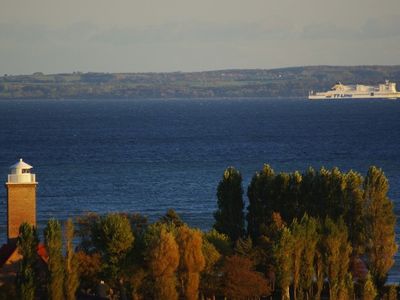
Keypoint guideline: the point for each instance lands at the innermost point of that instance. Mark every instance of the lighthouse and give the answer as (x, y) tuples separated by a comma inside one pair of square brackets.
[(21, 198)]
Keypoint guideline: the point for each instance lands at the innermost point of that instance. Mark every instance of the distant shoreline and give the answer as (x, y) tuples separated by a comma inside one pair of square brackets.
[(294, 82)]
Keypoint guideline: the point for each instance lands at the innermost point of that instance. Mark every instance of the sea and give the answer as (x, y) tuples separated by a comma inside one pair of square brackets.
[(147, 156)]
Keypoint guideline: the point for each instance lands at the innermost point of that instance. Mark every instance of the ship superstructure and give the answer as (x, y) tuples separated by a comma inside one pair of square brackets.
[(385, 90)]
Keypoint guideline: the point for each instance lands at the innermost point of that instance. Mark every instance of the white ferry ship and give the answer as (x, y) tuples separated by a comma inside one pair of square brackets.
[(385, 90)]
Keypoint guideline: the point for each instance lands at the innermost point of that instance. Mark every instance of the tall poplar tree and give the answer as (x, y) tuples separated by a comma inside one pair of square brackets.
[(192, 261), (337, 252), (311, 238), (369, 290), (283, 256), (163, 260), (27, 244), (354, 211), (53, 243), (71, 282), (260, 209), (298, 247), (380, 226), (229, 217)]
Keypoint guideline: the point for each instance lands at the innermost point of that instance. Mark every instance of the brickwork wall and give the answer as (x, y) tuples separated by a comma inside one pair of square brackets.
[(21, 207)]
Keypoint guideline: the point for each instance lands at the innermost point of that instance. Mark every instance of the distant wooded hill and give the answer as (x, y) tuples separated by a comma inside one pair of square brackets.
[(285, 82)]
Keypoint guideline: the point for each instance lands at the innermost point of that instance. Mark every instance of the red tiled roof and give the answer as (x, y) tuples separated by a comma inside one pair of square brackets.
[(42, 252)]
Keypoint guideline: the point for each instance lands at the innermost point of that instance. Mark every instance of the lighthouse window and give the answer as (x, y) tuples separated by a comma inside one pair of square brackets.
[(26, 171)]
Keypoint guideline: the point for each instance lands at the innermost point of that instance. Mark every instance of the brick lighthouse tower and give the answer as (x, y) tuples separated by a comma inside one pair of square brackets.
[(21, 198)]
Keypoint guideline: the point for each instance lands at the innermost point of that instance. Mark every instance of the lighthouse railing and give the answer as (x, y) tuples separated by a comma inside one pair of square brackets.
[(22, 178)]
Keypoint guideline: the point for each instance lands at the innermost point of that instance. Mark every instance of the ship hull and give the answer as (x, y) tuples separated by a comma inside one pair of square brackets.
[(354, 96)]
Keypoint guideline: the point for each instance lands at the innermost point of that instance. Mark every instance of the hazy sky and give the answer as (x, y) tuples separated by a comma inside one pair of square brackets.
[(55, 36)]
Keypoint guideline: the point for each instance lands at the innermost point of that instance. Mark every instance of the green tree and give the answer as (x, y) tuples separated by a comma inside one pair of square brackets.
[(112, 235), (53, 243), (380, 226), (229, 218), (27, 244), (71, 282), (192, 261), (283, 255), (260, 207), (163, 260)]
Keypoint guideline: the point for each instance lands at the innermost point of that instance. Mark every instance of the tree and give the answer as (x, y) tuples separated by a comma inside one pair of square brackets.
[(369, 290), (71, 282), (260, 197), (337, 252), (298, 247), (163, 260), (354, 213), (391, 293), (310, 241), (240, 281), (89, 268), (220, 241), (171, 217), (113, 237), (192, 261), (319, 271), (244, 247), (53, 243), (27, 244), (283, 255), (380, 226), (85, 225), (210, 276), (229, 217)]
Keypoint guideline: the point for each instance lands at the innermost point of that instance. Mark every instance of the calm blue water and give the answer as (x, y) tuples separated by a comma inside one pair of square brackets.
[(150, 155)]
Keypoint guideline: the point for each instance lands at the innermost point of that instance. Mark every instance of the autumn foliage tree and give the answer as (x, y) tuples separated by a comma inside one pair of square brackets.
[(163, 261), (192, 260), (369, 290), (337, 250), (240, 281), (210, 279), (380, 225)]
